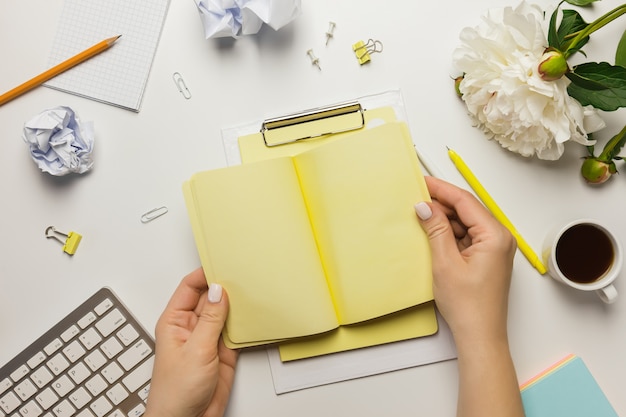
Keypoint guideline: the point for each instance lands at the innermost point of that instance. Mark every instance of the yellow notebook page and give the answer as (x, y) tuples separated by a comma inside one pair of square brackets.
[(360, 193), (406, 324), (256, 217)]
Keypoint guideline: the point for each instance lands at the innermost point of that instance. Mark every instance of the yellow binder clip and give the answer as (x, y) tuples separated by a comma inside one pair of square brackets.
[(71, 241), (363, 50)]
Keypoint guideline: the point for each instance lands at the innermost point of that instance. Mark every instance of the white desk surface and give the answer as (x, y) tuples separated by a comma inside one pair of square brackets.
[(142, 159)]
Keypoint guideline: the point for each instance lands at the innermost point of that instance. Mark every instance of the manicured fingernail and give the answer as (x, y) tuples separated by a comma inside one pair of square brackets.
[(215, 293), (423, 211)]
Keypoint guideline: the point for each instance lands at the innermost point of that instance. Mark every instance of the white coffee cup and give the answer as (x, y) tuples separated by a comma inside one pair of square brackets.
[(584, 254)]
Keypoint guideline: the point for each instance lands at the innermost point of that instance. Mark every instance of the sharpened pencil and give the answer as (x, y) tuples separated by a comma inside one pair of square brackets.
[(58, 69)]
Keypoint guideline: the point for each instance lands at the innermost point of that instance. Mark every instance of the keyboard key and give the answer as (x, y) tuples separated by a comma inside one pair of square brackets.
[(86, 320), (37, 359), (63, 409), (46, 398), (90, 338), (58, 364), (25, 389), (5, 384), (9, 402), (95, 360), (79, 373), (111, 348), (31, 409), (101, 406), (103, 307), (109, 323), (139, 376), (69, 333), (41, 376), (143, 393), (116, 413), (96, 385), (19, 373), (63, 385), (53, 346), (84, 413), (137, 411), (128, 334), (112, 372), (117, 394), (74, 351), (134, 355), (80, 398)]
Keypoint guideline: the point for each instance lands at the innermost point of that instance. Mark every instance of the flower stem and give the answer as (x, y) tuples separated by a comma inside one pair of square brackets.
[(595, 25), (613, 146)]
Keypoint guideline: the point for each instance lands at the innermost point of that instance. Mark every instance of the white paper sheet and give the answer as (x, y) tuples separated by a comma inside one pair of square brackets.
[(328, 369)]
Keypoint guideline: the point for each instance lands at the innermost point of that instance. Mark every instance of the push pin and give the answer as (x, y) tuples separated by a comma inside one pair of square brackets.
[(315, 61), (70, 242), (329, 33), (364, 50)]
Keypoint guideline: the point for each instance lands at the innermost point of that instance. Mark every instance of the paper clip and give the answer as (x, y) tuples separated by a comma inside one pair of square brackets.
[(329, 33), (70, 242), (180, 84), (315, 61), (364, 50), (153, 214)]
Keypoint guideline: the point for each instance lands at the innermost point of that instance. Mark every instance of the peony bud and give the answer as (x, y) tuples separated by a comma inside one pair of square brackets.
[(457, 85), (595, 171), (553, 65)]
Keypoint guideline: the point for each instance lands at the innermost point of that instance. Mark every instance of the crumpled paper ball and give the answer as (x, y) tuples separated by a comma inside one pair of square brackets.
[(223, 18), (59, 143)]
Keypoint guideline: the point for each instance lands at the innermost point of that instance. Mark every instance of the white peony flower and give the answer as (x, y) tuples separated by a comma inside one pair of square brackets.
[(504, 92)]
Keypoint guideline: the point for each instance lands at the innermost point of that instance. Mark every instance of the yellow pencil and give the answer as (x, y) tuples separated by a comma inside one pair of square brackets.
[(496, 211), (56, 70)]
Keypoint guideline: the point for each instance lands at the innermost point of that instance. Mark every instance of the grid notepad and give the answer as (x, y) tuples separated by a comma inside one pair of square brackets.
[(117, 76)]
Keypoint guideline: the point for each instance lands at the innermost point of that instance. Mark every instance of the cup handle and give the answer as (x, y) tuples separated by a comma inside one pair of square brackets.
[(607, 294)]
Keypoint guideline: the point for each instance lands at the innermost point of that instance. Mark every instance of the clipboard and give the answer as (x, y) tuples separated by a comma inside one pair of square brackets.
[(301, 130), (297, 132)]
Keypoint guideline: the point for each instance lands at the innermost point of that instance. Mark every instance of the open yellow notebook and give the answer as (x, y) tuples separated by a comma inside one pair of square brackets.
[(307, 243)]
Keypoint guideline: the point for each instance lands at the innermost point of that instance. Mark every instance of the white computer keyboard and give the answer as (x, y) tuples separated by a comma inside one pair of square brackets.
[(96, 362)]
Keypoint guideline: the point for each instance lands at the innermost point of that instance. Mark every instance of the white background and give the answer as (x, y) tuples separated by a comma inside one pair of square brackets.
[(141, 161)]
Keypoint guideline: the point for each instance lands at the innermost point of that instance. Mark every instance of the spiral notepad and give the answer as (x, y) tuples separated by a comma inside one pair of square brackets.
[(119, 75)]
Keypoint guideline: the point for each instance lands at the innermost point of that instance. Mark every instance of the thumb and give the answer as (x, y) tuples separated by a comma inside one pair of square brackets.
[(439, 231), (212, 316)]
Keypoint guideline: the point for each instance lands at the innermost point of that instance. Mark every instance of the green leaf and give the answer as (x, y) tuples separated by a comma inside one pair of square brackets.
[(571, 24), (584, 82), (553, 37), (611, 77), (580, 2), (620, 54)]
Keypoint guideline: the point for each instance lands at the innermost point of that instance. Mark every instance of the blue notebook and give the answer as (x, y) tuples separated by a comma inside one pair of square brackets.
[(566, 389)]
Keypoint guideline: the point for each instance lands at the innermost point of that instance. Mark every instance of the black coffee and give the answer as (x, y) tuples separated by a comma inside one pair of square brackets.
[(584, 253)]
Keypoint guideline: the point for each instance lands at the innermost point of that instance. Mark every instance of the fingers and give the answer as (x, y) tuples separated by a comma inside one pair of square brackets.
[(440, 233), (468, 209), (188, 293), (212, 317)]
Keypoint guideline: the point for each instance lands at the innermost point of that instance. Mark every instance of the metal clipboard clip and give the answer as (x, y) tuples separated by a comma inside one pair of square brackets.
[(313, 123)]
